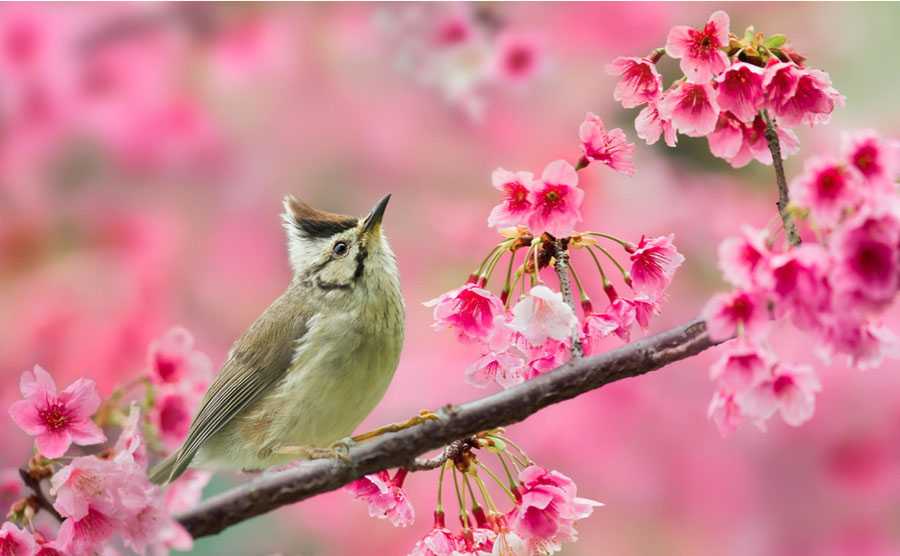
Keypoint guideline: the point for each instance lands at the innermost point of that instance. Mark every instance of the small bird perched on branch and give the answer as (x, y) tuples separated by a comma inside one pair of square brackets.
[(316, 362)]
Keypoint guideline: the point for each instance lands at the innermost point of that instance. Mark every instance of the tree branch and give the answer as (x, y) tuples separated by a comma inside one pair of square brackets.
[(400, 449), (790, 227), (561, 266)]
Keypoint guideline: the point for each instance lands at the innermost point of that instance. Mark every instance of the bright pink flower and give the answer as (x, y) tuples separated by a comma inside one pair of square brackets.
[(556, 199), (549, 508), (173, 359), (865, 344), (608, 147), (798, 279), (86, 534), (171, 414), (735, 313), (469, 309), (755, 145), (384, 496), (701, 50), (867, 258), (650, 126), (724, 412), (618, 319), (743, 258), (740, 91), (544, 357), (57, 420), (692, 108), (645, 308), (543, 314), (112, 486), (741, 367), (56, 547), (727, 140), (790, 390), (180, 496), (15, 541), (827, 188), (640, 81), (877, 160), (516, 205), (505, 368), (653, 264), (518, 57), (797, 95)]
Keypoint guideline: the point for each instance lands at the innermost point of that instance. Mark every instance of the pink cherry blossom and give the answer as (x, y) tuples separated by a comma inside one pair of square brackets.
[(640, 82), (440, 541), (131, 439), (727, 139), (544, 357), (618, 319), (470, 310), (15, 541), (57, 419), (701, 50), (556, 199), (755, 144), (518, 57), (505, 368), (650, 126), (173, 359), (691, 107), (384, 496), (724, 412), (799, 282), (876, 159), (797, 95), (645, 308), (543, 314), (653, 264), (740, 91), (737, 312), (865, 344), (867, 260), (549, 507), (171, 414), (743, 258), (607, 147), (790, 390), (516, 205), (827, 188), (744, 365), (86, 534)]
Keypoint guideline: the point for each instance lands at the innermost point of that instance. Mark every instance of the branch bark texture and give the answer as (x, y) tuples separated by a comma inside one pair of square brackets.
[(401, 448), (790, 227)]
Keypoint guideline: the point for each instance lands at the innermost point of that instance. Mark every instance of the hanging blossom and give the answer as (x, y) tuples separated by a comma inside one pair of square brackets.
[(528, 328), (106, 497), (385, 497), (834, 287), (544, 504), (730, 86)]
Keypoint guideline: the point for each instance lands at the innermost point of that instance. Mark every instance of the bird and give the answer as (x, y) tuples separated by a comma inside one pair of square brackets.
[(315, 363)]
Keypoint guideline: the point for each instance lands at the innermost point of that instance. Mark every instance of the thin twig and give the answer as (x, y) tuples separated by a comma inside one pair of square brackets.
[(561, 266), (790, 227), (34, 484), (398, 449)]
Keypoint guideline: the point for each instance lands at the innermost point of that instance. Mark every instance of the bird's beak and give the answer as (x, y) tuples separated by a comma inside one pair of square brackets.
[(373, 221)]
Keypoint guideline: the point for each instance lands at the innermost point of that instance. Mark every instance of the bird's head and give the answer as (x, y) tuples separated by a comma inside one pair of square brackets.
[(334, 252)]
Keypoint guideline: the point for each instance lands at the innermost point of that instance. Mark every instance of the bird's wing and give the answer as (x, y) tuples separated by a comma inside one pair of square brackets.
[(260, 358)]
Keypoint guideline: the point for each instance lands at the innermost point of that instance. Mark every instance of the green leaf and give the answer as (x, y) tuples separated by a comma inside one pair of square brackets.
[(775, 41)]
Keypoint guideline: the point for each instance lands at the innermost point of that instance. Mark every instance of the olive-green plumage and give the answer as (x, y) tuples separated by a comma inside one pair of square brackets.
[(316, 362)]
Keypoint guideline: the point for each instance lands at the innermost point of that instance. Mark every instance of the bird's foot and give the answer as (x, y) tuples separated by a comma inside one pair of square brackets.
[(423, 416), (310, 452)]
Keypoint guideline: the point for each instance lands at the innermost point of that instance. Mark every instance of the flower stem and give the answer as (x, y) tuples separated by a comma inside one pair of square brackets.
[(622, 242), (497, 480), (625, 274), (440, 493), (561, 266), (790, 227)]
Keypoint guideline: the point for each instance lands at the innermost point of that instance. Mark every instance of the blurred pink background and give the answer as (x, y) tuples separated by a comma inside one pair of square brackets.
[(144, 152)]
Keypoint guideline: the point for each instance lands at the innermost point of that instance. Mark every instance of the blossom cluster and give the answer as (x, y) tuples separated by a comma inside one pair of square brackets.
[(462, 52), (545, 505), (834, 286), (731, 90), (540, 215), (106, 496)]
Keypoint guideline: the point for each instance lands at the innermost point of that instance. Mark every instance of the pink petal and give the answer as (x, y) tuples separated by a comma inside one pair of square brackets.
[(53, 444), (81, 398), (37, 381), (678, 41), (25, 415), (86, 433)]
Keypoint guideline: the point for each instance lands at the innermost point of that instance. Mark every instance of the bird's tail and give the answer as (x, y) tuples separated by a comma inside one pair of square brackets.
[(167, 470)]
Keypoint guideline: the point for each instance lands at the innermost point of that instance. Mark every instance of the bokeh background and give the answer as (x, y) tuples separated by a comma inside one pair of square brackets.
[(145, 148)]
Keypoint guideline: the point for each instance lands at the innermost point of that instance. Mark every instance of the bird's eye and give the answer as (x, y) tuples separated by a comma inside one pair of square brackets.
[(340, 249)]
